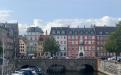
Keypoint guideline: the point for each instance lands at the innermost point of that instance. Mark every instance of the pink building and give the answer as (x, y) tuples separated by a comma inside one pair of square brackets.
[(80, 41)]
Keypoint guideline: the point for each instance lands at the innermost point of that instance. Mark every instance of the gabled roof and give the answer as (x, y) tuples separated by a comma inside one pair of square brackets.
[(71, 31), (104, 30), (59, 30), (34, 29)]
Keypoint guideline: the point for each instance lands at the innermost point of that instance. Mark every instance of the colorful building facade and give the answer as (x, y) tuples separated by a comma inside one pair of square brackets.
[(81, 42)]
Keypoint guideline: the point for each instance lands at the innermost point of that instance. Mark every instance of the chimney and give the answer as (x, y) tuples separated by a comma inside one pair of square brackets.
[(46, 32)]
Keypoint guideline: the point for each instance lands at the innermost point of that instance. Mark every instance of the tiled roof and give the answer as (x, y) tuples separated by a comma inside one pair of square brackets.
[(104, 30), (59, 30), (71, 31), (34, 29)]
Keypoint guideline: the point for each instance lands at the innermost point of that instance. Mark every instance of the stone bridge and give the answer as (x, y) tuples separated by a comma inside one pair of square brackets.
[(70, 64)]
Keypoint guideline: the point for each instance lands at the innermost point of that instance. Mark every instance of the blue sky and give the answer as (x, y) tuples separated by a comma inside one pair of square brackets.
[(58, 13), (27, 10)]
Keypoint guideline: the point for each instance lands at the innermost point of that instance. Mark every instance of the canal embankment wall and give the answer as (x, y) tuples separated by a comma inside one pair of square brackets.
[(109, 67)]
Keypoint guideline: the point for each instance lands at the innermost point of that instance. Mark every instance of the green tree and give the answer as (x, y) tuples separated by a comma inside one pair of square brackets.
[(113, 43), (1, 50), (50, 45)]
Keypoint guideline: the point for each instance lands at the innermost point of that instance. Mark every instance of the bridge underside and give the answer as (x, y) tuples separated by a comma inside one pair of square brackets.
[(70, 64)]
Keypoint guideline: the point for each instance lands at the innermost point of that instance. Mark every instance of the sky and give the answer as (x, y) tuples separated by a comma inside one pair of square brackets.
[(48, 13)]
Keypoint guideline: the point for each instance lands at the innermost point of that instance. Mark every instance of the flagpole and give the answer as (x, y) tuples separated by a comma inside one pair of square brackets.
[(3, 44)]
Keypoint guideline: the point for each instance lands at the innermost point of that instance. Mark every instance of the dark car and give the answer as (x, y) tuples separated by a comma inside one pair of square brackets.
[(28, 72)]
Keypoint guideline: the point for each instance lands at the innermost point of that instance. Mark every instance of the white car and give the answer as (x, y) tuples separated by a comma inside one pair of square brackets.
[(18, 73), (114, 58)]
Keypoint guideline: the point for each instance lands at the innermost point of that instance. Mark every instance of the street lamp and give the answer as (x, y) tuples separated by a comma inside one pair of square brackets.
[(3, 45)]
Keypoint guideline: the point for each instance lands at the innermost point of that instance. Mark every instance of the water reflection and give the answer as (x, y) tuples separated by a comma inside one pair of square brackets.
[(78, 73)]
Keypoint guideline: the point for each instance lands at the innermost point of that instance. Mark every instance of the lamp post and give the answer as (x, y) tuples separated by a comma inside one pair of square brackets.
[(3, 45)]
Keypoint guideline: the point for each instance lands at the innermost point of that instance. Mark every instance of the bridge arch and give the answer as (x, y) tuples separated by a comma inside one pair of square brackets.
[(70, 64), (53, 68), (86, 68)]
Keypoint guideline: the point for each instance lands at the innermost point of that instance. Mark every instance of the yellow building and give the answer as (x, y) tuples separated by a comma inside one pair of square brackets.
[(22, 46), (40, 47)]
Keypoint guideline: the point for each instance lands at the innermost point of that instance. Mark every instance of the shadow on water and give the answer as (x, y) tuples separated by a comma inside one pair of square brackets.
[(78, 73), (84, 70)]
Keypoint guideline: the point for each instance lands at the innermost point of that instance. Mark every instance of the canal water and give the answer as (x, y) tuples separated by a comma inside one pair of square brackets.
[(79, 73)]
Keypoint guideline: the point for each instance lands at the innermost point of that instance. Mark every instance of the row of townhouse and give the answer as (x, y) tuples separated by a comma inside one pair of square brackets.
[(32, 43), (9, 38), (87, 42)]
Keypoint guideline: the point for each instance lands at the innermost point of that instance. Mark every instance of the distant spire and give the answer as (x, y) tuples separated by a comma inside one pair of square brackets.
[(84, 26), (46, 32), (68, 26)]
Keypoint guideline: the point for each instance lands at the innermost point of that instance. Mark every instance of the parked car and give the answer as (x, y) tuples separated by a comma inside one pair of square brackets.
[(17, 73), (114, 58)]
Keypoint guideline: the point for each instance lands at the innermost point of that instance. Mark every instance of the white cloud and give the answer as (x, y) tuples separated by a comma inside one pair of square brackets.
[(5, 15), (105, 20), (23, 28)]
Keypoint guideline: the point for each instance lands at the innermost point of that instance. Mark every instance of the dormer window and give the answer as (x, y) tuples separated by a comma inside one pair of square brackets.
[(91, 32), (63, 32), (100, 33), (75, 32), (58, 32), (53, 31), (70, 32), (106, 32)]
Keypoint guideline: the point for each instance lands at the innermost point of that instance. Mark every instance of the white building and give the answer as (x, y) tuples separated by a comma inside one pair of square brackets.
[(32, 37), (61, 37)]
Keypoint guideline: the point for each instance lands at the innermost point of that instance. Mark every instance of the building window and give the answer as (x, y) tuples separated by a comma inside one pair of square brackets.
[(64, 48), (76, 42), (57, 37), (86, 42), (89, 37), (72, 42), (106, 32), (64, 42), (85, 47), (69, 37), (76, 37), (93, 37), (98, 48), (30, 38), (89, 42), (64, 37), (100, 33), (61, 42), (85, 37), (53, 32), (58, 32), (81, 37), (72, 37), (70, 32), (89, 47), (63, 32)]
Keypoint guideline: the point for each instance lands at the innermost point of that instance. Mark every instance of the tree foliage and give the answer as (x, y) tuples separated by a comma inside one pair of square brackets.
[(113, 43), (1, 50), (50, 45)]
